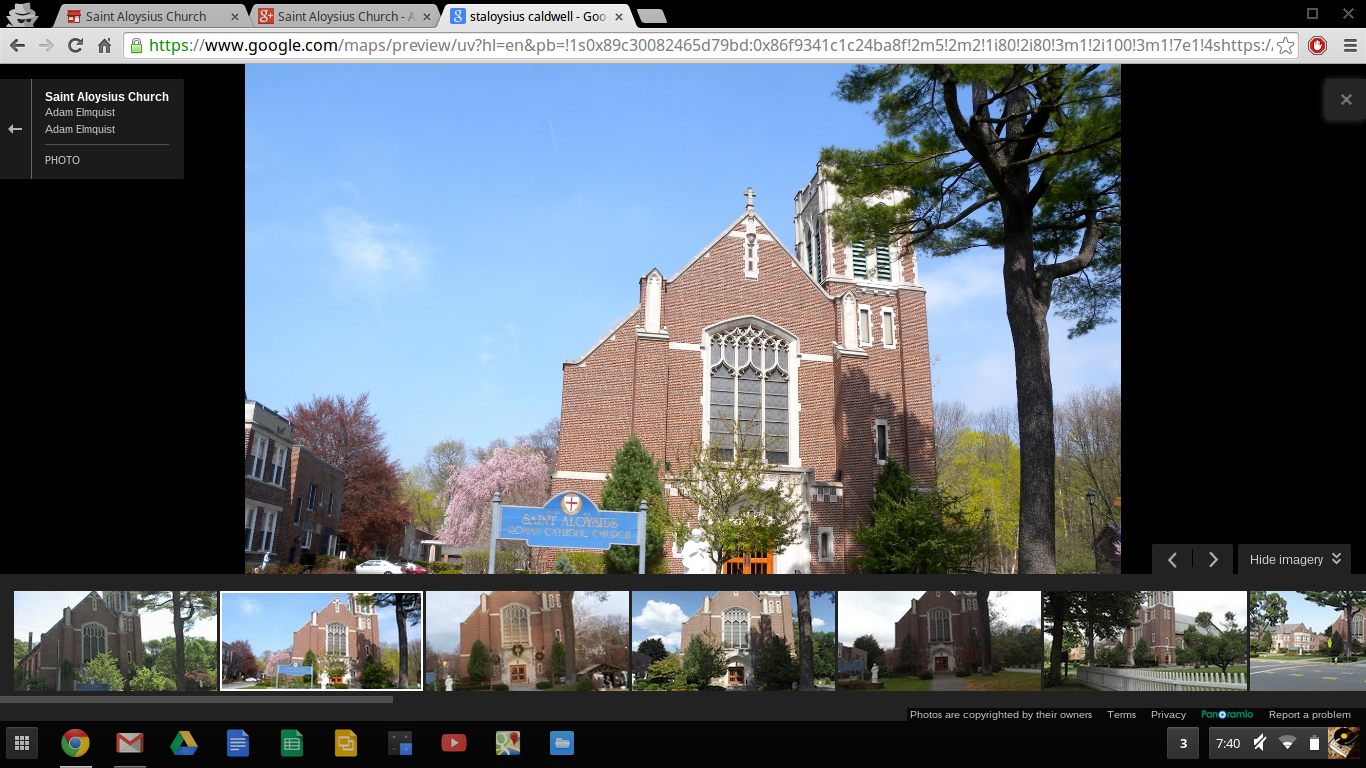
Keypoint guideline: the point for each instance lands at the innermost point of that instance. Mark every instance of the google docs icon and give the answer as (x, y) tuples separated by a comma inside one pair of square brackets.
[(239, 745), (457, 15)]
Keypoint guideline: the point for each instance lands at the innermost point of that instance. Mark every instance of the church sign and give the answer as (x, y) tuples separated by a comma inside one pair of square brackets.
[(570, 520)]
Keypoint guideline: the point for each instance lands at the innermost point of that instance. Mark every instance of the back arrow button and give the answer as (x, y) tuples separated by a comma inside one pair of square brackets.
[(15, 45), (1172, 560)]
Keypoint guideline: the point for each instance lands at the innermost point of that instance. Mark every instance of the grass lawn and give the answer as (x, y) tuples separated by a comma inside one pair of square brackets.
[(1004, 681), (1070, 685), (905, 684)]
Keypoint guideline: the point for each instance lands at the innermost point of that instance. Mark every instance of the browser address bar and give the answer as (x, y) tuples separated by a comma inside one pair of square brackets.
[(757, 46)]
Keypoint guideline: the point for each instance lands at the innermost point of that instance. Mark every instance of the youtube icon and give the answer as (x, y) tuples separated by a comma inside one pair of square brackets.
[(453, 742)]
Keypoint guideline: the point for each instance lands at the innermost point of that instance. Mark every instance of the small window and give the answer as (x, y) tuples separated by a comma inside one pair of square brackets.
[(268, 533), (330, 498), (312, 489), (865, 325), (825, 545), (860, 260), (281, 458), (888, 328), (251, 526), (557, 634), (258, 465), (884, 263), (298, 509), (881, 441)]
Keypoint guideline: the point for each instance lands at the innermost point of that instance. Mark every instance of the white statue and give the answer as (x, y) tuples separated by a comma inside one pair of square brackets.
[(875, 673), (450, 683)]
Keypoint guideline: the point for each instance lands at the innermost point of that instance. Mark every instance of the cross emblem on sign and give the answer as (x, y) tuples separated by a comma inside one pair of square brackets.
[(570, 504)]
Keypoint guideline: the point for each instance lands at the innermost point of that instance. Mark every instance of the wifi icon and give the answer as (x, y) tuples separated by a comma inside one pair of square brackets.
[(1287, 741)]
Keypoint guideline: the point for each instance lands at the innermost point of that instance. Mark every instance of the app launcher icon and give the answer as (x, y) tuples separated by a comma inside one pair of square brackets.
[(291, 743), (345, 744), (21, 743), (75, 743), (128, 743), (561, 742), (509, 742), (239, 744), (183, 744), (400, 742)]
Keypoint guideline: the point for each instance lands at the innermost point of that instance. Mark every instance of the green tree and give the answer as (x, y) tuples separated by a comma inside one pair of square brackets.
[(201, 661), (375, 674), (407, 612), (311, 660), (739, 508), (703, 661), (150, 680), (776, 670), (1349, 603), (103, 669), (823, 644), (1073, 615), (806, 665), (983, 466), (1335, 648), (666, 670), (185, 608), (151, 649), (479, 668), (557, 666), (1268, 611), (1021, 158), (563, 565), (634, 478), (652, 647), (1215, 645), (1186, 655), (1141, 652), (920, 533), (426, 508), (869, 644), (20, 650)]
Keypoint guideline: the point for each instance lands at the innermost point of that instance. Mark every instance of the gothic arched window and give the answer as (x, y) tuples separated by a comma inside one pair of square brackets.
[(735, 629), (336, 638), (93, 641), (940, 631), (516, 625), (749, 372)]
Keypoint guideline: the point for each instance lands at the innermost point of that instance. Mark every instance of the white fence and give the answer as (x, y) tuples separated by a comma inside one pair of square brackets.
[(1160, 680)]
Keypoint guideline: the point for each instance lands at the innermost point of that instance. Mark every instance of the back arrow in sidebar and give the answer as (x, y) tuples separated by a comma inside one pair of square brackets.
[(12, 129), (1172, 560)]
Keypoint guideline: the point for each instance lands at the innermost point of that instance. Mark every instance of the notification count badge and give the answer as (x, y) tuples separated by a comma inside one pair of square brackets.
[(265, 15)]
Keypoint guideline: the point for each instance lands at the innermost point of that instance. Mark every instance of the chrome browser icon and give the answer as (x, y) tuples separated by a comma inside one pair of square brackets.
[(183, 744), (75, 743)]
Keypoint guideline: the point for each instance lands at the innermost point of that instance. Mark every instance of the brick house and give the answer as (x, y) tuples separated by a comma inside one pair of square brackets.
[(505, 620), (269, 438), (942, 628), (1295, 637), (825, 351), (100, 623), (346, 628), (1161, 626), (313, 523), (742, 622)]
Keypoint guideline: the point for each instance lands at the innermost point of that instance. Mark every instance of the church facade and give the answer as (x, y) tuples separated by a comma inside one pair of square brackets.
[(823, 353), (101, 622), (520, 630), (742, 623), (346, 628), (941, 630)]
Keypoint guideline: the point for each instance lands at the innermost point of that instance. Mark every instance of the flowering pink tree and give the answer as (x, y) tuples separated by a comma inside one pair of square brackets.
[(274, 660), (519, 473)]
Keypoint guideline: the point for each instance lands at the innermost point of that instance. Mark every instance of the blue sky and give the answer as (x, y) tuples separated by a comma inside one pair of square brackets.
[(36, 612), (1314, 616), (661, 614), (448, 609), (269, 619), (444, 237)]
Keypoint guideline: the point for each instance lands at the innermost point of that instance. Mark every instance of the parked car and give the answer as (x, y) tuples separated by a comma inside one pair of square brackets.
[(378, 566), (251, 680), (414, 568)]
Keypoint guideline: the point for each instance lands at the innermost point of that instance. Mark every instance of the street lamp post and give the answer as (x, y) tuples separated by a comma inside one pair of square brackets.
[(1091, 502)]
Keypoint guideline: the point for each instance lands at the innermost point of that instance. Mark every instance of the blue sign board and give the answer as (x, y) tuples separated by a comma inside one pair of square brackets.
[(570, 520), (92, 686), (294, 669), (850, 666), (431, 677)]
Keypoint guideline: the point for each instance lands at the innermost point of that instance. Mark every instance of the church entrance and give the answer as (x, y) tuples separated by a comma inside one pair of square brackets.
[(759, 562), (735, 676), (941, 664), (518, 673)]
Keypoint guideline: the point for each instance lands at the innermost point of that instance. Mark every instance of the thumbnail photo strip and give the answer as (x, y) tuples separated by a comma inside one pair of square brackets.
[(1307, 641), (322, 641)]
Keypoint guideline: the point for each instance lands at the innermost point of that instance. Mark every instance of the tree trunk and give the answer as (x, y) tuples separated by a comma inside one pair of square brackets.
[(806, 663), (401, 613), (1027, 315), (179, 623), (985, 612), (570, 665), (1055, 654)]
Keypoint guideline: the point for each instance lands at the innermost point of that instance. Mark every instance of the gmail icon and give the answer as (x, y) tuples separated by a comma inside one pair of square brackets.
[(128, 742)]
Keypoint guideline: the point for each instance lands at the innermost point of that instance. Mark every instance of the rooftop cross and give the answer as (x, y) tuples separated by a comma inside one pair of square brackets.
[(749, 198)]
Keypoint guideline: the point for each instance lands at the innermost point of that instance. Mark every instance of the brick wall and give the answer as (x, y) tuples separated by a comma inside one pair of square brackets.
[(307, 470), (545, 615)]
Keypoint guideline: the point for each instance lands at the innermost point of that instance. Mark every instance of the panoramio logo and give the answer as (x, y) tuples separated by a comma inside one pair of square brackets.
[(1226, 714)]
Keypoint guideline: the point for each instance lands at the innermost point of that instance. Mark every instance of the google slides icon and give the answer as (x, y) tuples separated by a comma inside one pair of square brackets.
[(75, 743)]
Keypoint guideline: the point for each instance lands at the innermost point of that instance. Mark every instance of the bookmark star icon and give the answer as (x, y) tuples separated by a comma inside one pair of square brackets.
[(1285, 46)]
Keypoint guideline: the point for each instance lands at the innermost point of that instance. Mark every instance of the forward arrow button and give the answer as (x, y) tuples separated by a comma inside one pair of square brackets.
[(1215, 560)]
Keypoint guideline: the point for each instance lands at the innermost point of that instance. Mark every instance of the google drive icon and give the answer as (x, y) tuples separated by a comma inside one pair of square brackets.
[(184, 744)]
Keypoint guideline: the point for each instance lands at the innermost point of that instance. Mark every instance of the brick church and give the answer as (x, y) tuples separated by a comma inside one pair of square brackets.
[(742, 622), (941, 629), (345, 628), (101, 622), (516, 627), (823, 352)]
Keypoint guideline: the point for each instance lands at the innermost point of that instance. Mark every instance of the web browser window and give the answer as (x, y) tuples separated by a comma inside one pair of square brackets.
[(661, 302)]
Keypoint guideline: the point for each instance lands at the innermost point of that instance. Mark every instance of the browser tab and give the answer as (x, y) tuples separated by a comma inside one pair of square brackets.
[(339, 16), (150, 15), (509, 18)]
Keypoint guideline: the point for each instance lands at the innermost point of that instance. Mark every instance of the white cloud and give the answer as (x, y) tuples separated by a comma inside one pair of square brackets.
[(247, 606), (817, 622), (968, 277), (660, 618), (670, 640), (372, 259)]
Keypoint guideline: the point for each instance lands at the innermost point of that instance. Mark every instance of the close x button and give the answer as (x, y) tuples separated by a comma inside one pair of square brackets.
[(1193, 558)]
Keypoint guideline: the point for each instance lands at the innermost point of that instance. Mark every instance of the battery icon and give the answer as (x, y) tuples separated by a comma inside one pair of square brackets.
[(1313, 743)]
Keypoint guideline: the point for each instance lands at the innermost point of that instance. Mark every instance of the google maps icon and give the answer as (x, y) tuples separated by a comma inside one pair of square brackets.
[(75, 743)]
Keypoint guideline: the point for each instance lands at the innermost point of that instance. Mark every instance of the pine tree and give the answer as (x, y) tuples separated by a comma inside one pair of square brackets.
[(311, 660), (479, 666), (557, 660), (635, 477)]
